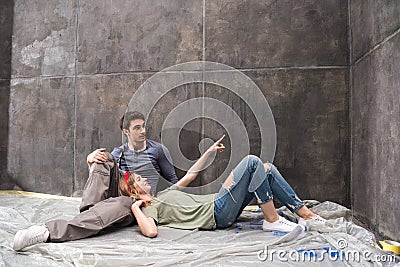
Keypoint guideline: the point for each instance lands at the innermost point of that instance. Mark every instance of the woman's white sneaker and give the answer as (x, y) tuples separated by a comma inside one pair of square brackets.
[(281, 225), (317, 220), (30, 236)]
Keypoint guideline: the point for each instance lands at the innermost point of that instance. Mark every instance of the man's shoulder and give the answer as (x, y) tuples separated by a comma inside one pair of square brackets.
[(152, 143), (117, 150)]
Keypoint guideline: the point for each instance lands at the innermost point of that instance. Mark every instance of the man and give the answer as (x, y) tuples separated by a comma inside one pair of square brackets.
[(143, 156), (101, 207)]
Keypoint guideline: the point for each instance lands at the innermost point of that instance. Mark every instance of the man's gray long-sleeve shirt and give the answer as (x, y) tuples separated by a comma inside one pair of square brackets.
[(150, 163)]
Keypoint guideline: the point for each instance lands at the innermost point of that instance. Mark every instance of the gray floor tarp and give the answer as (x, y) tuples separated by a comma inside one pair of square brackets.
[(340, 243)]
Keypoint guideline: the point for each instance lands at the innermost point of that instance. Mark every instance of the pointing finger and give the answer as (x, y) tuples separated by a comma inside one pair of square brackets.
[(219, 140)]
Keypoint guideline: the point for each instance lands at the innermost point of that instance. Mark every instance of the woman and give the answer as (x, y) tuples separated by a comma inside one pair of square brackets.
[(250, 179)]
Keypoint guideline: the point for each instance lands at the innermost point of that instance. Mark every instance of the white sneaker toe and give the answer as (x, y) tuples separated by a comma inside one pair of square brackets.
[(30, 236)]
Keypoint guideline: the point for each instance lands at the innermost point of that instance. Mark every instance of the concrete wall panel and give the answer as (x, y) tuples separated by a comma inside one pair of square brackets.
[(256, 34), (6, 22), (44, 38), (138, 35), (5, 182), (371, 22), (40, 156), (310, 108), (376, 137)]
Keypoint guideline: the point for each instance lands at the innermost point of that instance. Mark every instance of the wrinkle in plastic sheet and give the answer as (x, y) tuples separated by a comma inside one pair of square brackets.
[(236, 246)]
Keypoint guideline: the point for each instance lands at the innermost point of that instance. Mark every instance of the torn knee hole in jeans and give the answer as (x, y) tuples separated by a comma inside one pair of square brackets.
[(229, 182), (267, 167)]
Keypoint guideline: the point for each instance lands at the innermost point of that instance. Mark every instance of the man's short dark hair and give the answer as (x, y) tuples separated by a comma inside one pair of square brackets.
[(128, 117)]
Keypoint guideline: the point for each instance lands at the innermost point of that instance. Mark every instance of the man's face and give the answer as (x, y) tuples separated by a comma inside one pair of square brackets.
[(136, 131)]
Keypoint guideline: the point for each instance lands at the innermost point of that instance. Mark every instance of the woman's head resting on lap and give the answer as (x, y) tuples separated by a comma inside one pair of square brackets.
[(133, 185)]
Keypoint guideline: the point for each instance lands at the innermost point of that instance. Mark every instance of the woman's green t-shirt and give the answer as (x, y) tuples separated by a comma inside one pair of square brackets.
[(177, 209)]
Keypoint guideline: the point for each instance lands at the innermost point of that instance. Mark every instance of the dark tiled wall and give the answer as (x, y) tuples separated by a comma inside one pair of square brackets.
[(138, 35), (41, 154), (311, 114), (371, 22), (376, 113), (74, 75), (6, 22), (256, 34)]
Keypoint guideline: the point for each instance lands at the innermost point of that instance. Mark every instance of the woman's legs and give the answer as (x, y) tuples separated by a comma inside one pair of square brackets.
[(269, 211), (253, 179), (234, 194), (284, 192), (248, 180)]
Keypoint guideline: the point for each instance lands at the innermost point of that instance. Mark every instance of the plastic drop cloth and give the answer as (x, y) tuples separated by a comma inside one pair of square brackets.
[(244, 244)]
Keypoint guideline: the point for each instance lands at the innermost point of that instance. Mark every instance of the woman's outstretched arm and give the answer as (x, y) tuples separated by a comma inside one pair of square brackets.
[(146, 224), (195, 169)]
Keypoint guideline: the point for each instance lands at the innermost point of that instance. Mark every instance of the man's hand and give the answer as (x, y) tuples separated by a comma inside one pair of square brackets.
[(98, 156)]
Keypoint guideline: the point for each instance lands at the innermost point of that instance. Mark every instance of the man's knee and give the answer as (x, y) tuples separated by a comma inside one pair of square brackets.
[(109, 156)]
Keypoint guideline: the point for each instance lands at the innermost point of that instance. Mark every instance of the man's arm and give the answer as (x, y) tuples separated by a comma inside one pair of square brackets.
[(165, 163)]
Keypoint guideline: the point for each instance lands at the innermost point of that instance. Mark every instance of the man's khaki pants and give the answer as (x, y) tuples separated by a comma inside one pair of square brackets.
[(101, 207)]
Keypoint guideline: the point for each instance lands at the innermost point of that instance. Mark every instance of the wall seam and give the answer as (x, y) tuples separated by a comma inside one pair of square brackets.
[(203, 86), (378, 45), (153, 72), (350, 102), (204, 30), (75, 95), (295, 68)]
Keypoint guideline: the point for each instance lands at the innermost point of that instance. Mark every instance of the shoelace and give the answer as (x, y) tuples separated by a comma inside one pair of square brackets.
[(318, 218), (285, 222), (38, 238)]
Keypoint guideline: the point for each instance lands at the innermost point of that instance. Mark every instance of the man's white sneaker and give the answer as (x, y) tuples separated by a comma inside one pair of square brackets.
[(30, 236), (317, 220), (281, 225)]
